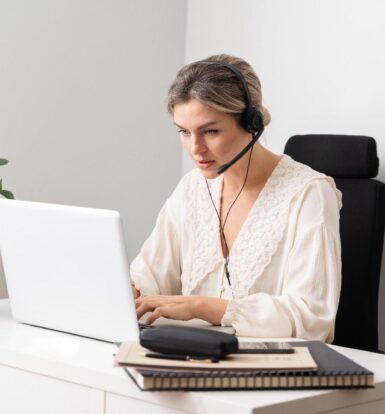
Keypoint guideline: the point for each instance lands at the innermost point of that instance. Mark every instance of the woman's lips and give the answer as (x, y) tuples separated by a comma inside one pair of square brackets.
[(204, 164)]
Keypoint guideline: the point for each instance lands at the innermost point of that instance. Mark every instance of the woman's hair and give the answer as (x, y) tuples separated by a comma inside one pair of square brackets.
[(217, 86)]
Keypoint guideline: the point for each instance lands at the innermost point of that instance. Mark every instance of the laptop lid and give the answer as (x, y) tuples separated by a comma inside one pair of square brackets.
[(66, 268)]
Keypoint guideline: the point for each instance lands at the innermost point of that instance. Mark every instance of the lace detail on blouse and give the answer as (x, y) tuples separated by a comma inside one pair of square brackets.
[(203, 225), (259, 237)]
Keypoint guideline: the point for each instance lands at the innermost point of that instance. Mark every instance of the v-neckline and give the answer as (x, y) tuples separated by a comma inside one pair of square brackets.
[(251, 211)]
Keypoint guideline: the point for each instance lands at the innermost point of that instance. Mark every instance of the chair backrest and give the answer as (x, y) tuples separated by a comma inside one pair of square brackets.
[(352, 162)]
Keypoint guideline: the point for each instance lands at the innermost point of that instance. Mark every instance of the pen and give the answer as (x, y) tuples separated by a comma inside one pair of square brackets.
[(180, 357)]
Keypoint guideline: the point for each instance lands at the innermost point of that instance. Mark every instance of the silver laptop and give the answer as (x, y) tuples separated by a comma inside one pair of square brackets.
[(66, 268)]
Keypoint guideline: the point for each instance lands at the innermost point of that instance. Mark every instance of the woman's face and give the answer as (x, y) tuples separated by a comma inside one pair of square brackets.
[(210, 137)]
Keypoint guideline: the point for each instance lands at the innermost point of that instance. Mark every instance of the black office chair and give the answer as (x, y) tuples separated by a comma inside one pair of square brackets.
[(352, 161)]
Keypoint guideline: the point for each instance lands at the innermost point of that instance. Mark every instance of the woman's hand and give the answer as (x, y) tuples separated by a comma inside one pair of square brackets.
[(135, 291), (181, 308)]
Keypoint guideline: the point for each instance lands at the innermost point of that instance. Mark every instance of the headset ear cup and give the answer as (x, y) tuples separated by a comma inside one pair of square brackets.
[(258, 120), (245, 120), (253, 119)]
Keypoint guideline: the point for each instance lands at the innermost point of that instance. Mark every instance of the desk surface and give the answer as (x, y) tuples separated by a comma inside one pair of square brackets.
[(88, 362)]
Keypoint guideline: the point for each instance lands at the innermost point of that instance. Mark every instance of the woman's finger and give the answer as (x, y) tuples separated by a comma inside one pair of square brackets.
[(158, 312), (144, 308), (144, 300)]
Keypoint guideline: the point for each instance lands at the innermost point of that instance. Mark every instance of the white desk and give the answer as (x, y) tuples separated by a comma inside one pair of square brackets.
[(43, 372)]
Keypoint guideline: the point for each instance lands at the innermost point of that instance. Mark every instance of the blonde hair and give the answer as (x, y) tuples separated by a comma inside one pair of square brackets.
[(217, 86)]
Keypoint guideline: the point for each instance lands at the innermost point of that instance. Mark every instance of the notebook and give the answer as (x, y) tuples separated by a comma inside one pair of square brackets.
[(132, 354), (334, 371)]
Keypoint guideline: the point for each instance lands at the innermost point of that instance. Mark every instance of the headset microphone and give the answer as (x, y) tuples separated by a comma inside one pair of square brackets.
[(248, 147), (251, 118)]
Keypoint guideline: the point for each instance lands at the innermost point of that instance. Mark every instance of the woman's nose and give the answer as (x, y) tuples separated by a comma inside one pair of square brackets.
[(197, 145)]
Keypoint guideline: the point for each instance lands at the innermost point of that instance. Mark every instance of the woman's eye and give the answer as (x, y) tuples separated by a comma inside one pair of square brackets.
[(183, 132), (211, 132)]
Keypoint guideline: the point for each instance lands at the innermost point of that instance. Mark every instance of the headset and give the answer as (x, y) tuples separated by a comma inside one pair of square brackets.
[(251, 117)]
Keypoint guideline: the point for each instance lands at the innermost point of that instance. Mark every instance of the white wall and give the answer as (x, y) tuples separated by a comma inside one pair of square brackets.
[(321, 63), (82, 103)]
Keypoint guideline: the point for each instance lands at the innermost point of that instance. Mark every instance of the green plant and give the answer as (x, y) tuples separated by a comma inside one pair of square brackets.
[(3, 192)]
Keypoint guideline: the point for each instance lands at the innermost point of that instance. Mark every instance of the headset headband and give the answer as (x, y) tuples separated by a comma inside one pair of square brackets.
[(238, 74)]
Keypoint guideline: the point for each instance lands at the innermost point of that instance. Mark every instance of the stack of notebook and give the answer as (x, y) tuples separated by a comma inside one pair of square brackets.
[(313, 365)]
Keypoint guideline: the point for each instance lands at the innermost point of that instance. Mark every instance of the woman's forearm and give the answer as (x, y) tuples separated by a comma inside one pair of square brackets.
[(210, 309), (181, 307)]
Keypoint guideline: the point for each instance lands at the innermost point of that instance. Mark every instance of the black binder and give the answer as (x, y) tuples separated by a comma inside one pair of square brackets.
[(334, 371)]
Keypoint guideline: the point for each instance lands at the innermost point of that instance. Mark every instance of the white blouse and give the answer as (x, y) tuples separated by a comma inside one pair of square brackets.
[(285, 264)]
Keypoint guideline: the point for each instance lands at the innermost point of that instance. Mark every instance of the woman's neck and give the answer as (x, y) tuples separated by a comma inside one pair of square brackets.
[(262, 164)]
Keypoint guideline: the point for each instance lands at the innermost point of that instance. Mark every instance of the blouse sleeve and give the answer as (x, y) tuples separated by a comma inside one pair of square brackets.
[(307, 305), (156, 269)]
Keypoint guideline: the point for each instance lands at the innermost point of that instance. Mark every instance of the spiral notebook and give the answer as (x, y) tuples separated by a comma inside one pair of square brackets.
[(334, 371)]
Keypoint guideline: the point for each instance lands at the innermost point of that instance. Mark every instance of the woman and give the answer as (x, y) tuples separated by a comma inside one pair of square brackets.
[(257, 247)]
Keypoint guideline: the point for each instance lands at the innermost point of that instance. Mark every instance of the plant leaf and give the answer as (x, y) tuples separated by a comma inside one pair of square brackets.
[(3, 161), (7, 194), (1, 185)]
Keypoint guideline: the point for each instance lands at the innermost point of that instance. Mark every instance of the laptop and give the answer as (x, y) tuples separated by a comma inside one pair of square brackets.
[(66, 269)]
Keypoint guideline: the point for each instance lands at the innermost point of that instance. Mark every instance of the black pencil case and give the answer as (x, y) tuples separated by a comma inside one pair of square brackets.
[(188, 341)]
